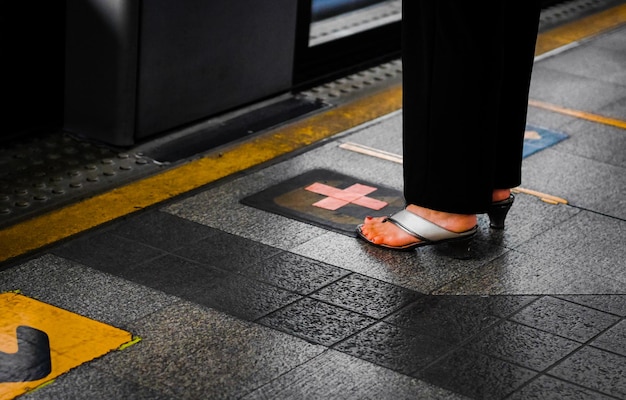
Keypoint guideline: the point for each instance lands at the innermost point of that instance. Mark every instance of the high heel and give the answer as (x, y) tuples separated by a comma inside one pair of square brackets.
[(498, 210)]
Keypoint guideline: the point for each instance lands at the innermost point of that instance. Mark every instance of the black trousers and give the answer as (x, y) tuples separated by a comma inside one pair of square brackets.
[(466, 75)]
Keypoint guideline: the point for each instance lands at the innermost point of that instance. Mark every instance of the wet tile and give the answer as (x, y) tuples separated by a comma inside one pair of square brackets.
[(565, 319), (85, 291), (443, 317), (422, 271), (219, 289), (317, 322), (220, 208), (614, 339), (594, 186), (390, 346), (555, 87), (497, 305), (547, 387), (602, 240), (513, 273), (476, 375), (174, 275), (242, 297), (87, 382), (226, 251), (365, 295), (522, 345), (610, 303), (107, 252), (589, 282), (162, 230), (595, 369), (528, 218), (597, 142), (188, 351), (595, 62), (334, 375), (295, 273)]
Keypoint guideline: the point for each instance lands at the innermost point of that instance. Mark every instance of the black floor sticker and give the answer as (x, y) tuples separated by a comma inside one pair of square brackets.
[(328, 199)]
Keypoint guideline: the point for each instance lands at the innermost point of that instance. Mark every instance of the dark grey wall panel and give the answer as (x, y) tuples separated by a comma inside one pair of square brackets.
[(101, 69), (139, 68), (202, 57)]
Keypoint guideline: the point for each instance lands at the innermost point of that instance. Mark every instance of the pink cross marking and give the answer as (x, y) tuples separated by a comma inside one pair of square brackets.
[(337, 198)]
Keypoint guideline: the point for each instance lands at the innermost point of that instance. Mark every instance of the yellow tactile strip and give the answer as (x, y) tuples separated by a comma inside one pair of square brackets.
[(581, 29), (59, 224)]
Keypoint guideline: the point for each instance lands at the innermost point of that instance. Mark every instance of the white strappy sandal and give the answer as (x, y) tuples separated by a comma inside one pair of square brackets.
[(425, 231)]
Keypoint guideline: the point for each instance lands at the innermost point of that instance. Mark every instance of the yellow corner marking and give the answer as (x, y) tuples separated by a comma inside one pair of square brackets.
[(578, 114), (135, 340), (59, 224), (73, 339), (580, 29)]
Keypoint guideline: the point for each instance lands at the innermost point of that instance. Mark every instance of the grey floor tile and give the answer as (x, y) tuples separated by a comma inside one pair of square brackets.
[(423, 271), (243, 297), (617, 109), (213, 287), (524, 346), (317, 322), (87, 383), (365, 295), (588, 242), (528, 218), (613, 339), (162, 230), (76, 288), (107, 252), (565, 319), (476, 375), (385, 134), (442, 318), (174, 275), (393, 347), (612, 40), (547, 387), (295, 273), (334, 375), (515, 273), (556, 87), (499, 306), (191, 352), (583, 182), (595, 369), (590, 282), (613, 304), (226, 251), (593, 61), (601, 143)]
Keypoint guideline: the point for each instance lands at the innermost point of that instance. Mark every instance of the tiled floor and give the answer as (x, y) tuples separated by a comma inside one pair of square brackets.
[(234, 302)]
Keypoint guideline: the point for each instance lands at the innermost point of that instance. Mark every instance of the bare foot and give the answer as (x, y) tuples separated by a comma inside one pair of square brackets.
[(379, 232), (500, 194)]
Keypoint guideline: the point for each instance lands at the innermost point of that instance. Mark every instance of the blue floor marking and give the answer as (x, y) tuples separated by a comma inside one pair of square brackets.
[(545, 139)]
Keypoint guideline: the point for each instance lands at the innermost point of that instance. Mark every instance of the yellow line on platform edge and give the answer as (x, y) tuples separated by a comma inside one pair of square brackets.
[(49, 228), (582, 29)]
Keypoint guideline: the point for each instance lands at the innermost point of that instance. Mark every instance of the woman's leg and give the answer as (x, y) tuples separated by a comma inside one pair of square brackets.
[(456, 68), (518, 57)]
